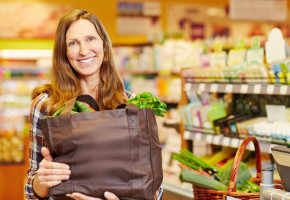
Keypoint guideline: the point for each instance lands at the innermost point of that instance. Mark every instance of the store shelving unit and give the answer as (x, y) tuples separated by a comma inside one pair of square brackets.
[(20, 72), (191, 84), (239, 88)]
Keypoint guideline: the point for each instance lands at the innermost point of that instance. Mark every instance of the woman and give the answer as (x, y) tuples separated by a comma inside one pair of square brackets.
[(82, 64)]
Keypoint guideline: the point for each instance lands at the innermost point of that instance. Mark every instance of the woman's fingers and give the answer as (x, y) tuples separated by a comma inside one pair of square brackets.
[(45, 153), (51, 173), (53, 178), (53, 165), (79, 196), (111, 196), (49, 183), (45, 171)]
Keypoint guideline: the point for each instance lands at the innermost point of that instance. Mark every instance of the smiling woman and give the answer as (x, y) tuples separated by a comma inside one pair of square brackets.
[(84, 49), (82, 64)]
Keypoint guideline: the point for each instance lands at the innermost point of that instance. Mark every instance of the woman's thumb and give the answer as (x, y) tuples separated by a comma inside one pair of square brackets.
[(45, 153), (110, 196)]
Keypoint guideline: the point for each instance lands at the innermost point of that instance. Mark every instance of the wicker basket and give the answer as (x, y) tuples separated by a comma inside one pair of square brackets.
[(204, 194)]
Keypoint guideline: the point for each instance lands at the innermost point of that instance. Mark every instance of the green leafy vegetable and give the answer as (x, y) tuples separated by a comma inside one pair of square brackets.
[(78, 107), (147, 100), (243, 175)]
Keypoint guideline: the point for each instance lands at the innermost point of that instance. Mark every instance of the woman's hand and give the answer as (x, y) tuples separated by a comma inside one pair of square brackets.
[(79, 196), (51, 173)]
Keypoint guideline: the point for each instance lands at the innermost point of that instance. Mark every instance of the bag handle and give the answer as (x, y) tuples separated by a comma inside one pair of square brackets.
[(82, 97), (65, 119), (129, 106), (238, 159)]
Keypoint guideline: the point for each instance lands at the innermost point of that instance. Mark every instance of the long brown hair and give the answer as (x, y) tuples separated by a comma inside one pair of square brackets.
[(64, 79)]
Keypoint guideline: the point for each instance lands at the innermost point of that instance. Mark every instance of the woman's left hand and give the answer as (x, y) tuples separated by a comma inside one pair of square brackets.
[(79, 196)]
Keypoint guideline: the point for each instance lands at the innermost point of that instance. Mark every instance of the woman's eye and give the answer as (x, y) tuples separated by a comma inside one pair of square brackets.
[(71, 43), (91, 38)]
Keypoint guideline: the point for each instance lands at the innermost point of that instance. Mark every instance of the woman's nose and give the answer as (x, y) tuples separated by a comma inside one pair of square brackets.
[(83, 49)]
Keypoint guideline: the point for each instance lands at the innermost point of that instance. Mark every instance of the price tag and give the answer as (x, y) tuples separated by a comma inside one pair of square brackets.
[(244, 89), (226, 141), (229, 88), (198, 136), (235, 142), (283, 89), (208, 138), (265, 147), (201, 87), (257, 89), (270, 89), (214, 87), (187, 87), (216, 139), (231, 198), (186, 135)]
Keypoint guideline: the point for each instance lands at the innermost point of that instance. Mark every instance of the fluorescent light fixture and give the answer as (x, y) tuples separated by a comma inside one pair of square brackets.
[(25, 53)]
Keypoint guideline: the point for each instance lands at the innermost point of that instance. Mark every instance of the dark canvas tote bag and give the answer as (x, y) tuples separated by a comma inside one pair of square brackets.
[(112, 150)]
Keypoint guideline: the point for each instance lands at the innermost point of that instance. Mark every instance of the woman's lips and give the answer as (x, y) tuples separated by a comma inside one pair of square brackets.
[(87, 60)]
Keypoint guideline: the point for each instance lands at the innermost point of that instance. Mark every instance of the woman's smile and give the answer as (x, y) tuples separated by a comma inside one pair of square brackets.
[(87, 60)]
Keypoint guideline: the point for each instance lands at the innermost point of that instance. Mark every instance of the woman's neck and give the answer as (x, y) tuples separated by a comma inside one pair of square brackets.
[(90, 86)]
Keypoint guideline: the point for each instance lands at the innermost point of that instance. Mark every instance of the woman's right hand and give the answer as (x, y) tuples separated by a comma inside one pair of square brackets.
[(51, 173)]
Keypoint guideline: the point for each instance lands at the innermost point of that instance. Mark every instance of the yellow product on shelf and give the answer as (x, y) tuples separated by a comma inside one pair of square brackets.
[(11, 146), (221, 155)]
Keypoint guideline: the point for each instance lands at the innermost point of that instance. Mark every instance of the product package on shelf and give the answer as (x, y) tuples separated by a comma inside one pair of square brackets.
[(13, 128)]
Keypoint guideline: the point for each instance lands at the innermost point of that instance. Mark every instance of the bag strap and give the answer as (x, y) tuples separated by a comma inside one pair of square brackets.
[(65, 118), (84, 98), (133, 125)]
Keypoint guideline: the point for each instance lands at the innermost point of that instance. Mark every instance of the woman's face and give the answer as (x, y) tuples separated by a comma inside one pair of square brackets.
[(84, 48)]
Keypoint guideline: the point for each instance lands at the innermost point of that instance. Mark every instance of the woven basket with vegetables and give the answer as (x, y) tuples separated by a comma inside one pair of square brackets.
[(210, 182)]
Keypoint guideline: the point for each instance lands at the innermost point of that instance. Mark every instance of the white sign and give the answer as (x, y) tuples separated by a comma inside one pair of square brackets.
[(133, 25), (262, 10), (152, 8), (201, 87), (229, 88), (270, 89), (214, 88), (244, 88), (232, 198)]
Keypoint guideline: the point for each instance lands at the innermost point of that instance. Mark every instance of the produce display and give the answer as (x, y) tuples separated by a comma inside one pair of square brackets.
[(201, 174)]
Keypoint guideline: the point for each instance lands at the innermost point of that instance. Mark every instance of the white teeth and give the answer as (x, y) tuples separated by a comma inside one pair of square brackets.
[(86, 61)]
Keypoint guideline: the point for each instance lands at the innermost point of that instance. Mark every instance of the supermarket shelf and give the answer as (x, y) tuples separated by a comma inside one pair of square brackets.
[(148, 72), (34, 78), (265, 143), (249, 88)]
